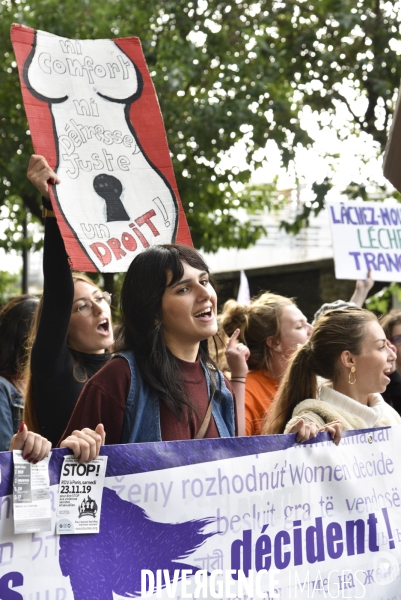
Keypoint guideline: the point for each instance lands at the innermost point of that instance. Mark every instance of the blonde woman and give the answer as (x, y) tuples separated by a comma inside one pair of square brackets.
[(272, 327), (348, 348)]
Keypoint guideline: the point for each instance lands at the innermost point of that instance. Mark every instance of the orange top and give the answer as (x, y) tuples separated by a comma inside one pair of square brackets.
[(260, 390)]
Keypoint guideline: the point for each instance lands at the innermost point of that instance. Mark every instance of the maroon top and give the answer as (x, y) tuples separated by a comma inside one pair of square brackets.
[(101, 402)]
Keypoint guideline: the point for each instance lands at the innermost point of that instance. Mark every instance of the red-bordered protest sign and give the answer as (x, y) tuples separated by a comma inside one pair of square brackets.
[(94, 114)]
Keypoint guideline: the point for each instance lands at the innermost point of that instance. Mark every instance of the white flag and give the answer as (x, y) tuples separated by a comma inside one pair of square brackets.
[(244, 295)]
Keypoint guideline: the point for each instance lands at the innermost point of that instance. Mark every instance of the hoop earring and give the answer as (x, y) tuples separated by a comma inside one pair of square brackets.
[(352, 372)]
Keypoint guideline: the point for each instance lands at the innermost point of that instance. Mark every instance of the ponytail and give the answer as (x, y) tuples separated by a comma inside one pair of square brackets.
[(299, 382), (336, 331)]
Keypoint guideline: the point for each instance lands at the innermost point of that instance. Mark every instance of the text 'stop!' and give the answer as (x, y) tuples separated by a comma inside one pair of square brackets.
[(93, 113)]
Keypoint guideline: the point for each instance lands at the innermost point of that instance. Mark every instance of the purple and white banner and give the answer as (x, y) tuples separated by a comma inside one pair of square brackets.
[(228, 518)]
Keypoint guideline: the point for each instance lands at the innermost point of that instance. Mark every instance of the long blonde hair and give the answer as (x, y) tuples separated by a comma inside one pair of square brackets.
[(29, 414), (257, 322), (335, 331)]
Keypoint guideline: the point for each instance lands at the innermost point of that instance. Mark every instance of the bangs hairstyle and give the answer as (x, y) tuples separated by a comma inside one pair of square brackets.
[(78, 276), (142, 325)]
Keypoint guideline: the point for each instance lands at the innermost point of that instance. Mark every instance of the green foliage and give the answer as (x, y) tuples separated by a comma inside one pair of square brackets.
[(302, 220), (10, 286), (224, 72), (118, 280), (382, 301)]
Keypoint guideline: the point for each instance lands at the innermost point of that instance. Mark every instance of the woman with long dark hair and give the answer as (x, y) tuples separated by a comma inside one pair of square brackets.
[(15, 323), (162, 384), (347, 348), (73, 330)]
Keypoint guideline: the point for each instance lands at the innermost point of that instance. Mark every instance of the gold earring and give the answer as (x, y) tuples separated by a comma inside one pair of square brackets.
[(352, 372)]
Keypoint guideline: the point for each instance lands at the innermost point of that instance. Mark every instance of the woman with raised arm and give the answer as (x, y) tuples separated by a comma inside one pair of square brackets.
[(73, 331), (348, 348), (163, 385), (272, 327)]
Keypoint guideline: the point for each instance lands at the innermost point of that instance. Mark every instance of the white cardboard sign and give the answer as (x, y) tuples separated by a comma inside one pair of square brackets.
[(366, 237), (93, 113)]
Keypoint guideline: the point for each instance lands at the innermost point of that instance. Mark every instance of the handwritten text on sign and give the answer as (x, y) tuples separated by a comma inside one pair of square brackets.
[(366, 237), (93, 113)]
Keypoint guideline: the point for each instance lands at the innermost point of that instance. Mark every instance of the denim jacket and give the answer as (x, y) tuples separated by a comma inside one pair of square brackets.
[(142, 411), (11, 405)]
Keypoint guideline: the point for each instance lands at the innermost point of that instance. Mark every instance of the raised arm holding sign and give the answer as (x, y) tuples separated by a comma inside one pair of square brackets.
[(68, 344)]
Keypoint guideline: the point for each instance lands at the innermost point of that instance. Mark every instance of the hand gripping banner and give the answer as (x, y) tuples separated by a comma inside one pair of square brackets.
[(93, 113)]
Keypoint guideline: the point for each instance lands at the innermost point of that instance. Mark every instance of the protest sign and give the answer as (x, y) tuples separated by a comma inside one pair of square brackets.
[(366, 237), (80, 496), (93, 113), (220, 518), (31, 498)]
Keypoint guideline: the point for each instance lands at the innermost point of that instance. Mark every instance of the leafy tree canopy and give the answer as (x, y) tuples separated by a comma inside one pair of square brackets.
[(224, 72), (9, 286)]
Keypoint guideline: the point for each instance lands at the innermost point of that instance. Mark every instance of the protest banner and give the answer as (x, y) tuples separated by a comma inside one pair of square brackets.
[(93, 113), (222, 519), (366, 237)]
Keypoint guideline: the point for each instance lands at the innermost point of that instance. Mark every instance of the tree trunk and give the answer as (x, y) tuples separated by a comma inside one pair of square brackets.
[(25, 258)]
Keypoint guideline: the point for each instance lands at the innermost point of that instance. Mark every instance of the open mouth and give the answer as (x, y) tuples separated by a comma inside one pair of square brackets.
[(205, 313), (103, 327)]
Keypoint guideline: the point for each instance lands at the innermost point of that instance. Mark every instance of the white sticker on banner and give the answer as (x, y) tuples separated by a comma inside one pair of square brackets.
[(31, 498), (80, 495)]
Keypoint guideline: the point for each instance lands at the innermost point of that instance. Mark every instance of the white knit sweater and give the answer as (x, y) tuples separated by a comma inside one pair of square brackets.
[(352, 414)]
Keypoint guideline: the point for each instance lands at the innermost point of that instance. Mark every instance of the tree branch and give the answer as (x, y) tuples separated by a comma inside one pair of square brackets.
[(342, 98)]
